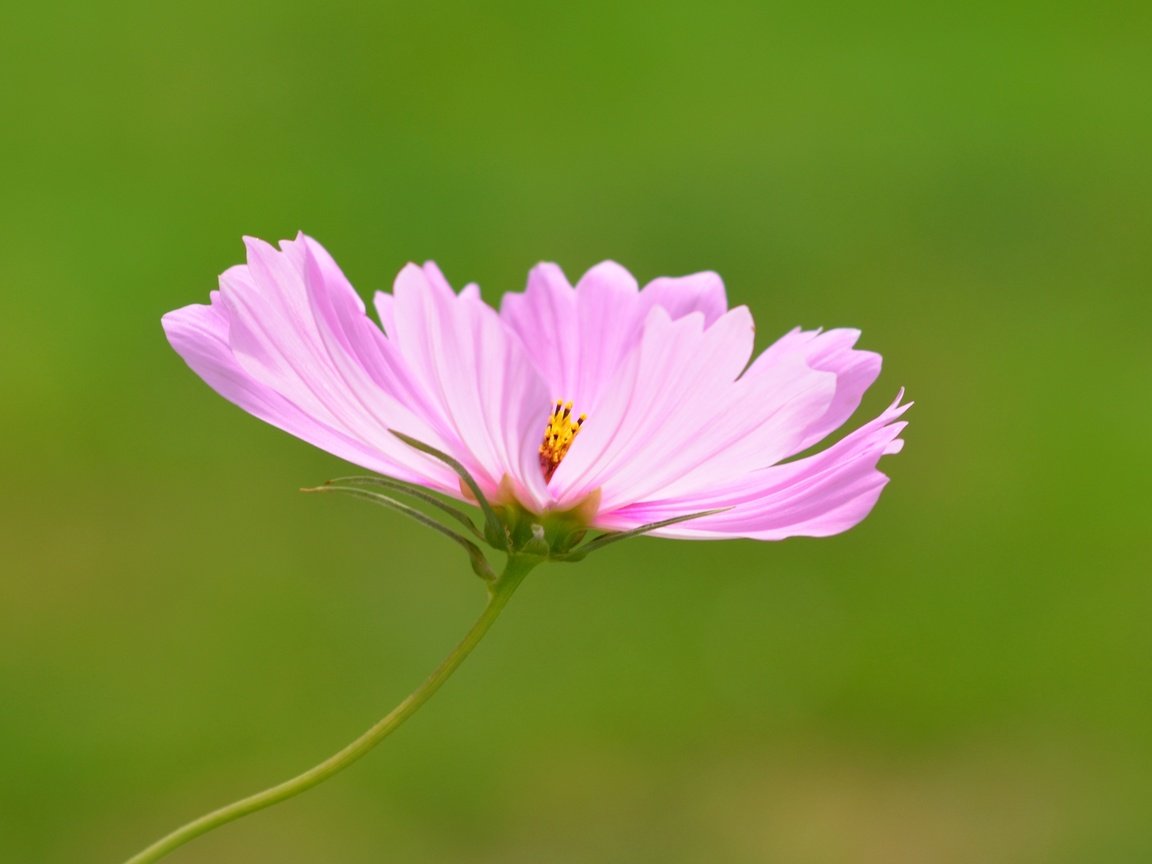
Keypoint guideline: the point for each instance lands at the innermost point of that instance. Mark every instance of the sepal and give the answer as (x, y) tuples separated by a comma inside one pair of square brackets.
[(414, 491), (597, 543), (480, 565), (494, 532)]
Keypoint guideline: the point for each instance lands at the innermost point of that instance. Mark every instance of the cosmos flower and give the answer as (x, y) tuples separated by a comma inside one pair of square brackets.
[(626, 406), (598, 406)]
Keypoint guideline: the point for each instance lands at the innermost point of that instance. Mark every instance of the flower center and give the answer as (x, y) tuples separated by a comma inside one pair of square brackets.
[(559, 434)]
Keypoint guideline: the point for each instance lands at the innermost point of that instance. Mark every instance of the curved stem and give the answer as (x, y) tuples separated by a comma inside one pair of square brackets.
[(499, 592)]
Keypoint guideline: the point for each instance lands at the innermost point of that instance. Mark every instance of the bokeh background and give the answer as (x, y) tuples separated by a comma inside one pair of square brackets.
[(967, 676)]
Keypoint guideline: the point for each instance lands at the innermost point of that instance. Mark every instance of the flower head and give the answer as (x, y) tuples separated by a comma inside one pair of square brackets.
[(624, 406)]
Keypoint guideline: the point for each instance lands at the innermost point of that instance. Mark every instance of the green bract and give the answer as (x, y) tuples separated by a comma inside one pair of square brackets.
[(507, 527)]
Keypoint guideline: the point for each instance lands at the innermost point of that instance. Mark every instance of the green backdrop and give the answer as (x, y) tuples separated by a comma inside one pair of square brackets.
[(967, 676)]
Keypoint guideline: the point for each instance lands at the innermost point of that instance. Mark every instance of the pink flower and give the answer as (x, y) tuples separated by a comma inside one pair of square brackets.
[(635, 406)]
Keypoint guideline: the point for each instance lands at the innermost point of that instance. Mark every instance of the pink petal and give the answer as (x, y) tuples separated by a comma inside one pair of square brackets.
[(200, 335), (486, 397), (829, 351), (683, 295), (823, 494), (679, 416), (297, 327), (288, 339), (382, 300), (608, 320), (545, 320), (579, 338)]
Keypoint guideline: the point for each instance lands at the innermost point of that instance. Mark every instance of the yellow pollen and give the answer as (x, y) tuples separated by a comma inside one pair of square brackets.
[(559, 434)]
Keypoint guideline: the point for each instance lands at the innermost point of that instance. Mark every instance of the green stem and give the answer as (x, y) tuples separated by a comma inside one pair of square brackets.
[(499, 592)]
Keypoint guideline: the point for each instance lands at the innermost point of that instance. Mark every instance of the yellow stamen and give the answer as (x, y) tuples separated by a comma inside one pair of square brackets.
[(559, 434)]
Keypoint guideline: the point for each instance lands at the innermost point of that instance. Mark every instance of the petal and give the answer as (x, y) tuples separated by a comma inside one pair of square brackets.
[(290, 327), (577, 338), (354, 344), (480, 389), (580, 338), (823, 494), (382, 300), (686, 382), (609, 319), (683, 295), (288, 339), (830, 351), (298, 327), (680, 417), (200, 335), (544, 318)]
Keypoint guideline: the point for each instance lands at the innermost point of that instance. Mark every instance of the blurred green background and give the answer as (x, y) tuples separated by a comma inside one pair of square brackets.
[(967, 676)]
